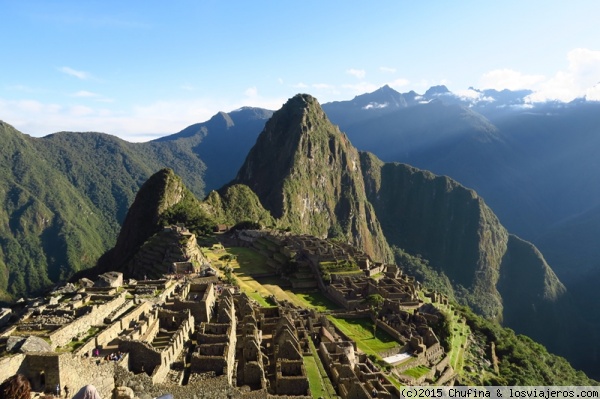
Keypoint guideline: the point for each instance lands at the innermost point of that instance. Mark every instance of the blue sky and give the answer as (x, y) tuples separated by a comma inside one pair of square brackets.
[(141, 69)]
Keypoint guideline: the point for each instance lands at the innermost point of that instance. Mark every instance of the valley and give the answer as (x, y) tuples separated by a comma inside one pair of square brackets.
[(213, 326), (303, 175)]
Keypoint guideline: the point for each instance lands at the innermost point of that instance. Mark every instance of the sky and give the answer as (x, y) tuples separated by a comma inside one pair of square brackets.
[(144, 69)]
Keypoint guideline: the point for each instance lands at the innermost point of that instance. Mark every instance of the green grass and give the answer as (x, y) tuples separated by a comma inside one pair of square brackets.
[(318, 381), (259, 298), (361, 331), (460, 332), (348, 272), (315, 382), (249, 261), (417, 372), (316, 300)]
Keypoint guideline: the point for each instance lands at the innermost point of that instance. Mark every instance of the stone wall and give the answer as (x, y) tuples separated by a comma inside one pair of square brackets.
[(42, 370), (390, 330), (77, 372), (202, 307), (145, 358), (113, 331), (9, 365), (290, 378), (65, 334)]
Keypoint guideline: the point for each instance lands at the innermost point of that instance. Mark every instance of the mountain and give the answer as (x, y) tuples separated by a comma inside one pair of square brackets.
[(222, 142), (54, 230), (64, 197), (533, 163), (307, 174), (162, 200)]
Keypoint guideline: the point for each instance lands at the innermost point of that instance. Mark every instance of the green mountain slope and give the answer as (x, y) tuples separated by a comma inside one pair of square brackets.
[(452, 227), (307, 174), (48, 228), (64, 196)]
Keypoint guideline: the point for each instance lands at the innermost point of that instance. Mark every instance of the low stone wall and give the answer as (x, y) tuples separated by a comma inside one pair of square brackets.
[(65, 334), (199, 386), (391, 331), (77, 372)]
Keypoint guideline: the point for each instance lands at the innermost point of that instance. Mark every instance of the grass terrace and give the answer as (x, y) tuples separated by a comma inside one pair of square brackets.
[(361, 331), (417, 372), (318, 381), (316, 300)]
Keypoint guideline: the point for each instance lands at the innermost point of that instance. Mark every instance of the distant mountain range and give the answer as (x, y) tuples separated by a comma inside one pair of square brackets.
[(64, 196)]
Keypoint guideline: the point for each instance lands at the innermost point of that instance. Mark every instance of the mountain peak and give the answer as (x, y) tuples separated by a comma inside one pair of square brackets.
[(436, 91), (307, 174), (161, 191)]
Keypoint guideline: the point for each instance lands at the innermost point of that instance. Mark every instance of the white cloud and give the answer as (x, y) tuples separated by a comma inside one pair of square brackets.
[(387, 69), (280, 81), (357, 73), (84, 93), (468, 94), (399, 83), (91, 95), (72, 72), (472, 96), (360, 88), (141, 122), (510, 79), (593, 93), (578, 80), (251, 92), (300, 85)]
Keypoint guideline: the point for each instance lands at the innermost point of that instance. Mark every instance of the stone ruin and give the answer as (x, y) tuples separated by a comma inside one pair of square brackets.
[(192, 333)]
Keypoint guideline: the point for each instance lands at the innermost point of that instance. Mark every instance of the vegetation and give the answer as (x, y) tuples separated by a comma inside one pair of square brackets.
[(238, 204), (417, 372), (523, 361), (190, 213), (316, 300), (361, 331)]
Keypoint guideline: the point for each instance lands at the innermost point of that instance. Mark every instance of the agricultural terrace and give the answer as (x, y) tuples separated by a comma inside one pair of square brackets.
[(258, 280), (361, 331)]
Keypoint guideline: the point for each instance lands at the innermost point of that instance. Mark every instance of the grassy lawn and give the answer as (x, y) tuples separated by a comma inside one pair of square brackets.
[(361, 331), (318, 380), (315, 382), (259, 298), (348, 272), (249, 261), (417, 372), (460, 332), (315, 300)]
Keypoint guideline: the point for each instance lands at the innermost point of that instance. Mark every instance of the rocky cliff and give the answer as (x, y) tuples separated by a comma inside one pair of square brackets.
[(159, 194), (308, 175), (454, 229)]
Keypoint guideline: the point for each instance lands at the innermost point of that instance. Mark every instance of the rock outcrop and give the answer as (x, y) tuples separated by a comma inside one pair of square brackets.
[(308, 175)]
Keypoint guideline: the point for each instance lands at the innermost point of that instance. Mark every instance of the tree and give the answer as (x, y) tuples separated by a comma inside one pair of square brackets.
[(375, 302)]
